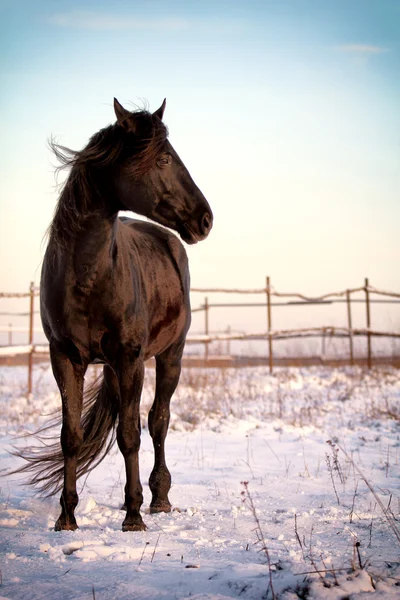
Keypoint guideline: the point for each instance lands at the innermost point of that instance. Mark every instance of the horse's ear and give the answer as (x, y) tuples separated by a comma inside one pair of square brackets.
[(124, 117), (160, 112)]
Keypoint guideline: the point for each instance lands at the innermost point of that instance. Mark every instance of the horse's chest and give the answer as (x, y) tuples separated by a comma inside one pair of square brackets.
[(78, 314)]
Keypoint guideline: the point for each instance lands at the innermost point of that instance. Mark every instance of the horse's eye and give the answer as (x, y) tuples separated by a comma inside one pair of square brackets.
[(163, 161)]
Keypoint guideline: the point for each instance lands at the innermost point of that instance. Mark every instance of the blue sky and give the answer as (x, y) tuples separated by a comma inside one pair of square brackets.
[(286, 112)]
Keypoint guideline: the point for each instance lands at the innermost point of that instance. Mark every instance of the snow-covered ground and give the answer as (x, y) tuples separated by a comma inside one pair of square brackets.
[(326, 514)]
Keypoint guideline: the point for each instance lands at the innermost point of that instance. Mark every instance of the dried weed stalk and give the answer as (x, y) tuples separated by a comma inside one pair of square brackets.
[(247, 498), (386, 511)]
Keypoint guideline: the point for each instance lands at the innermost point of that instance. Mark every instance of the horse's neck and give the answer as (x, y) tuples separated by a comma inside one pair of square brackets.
[(93, 247), (83, 237)]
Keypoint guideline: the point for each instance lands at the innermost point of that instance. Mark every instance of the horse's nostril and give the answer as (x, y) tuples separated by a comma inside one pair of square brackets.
[(206, 222)]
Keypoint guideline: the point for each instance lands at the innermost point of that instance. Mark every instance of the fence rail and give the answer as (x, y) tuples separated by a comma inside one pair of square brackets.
[(330, 298), (270, 335)]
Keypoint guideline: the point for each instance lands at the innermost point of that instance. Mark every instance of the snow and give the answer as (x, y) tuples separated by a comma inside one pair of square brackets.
[(307, 503)]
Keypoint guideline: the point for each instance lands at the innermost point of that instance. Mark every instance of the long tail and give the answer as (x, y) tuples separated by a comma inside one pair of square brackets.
[(45, 463)]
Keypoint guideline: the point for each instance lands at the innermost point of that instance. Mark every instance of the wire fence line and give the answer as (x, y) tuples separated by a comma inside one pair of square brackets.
[(207, 337)]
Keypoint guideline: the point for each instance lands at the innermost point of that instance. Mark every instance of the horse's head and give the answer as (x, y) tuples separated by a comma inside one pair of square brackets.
[(154, 182)]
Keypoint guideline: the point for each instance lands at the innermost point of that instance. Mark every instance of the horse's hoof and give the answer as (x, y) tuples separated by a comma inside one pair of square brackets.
[(160, 507), (65, 525), (134, 525)]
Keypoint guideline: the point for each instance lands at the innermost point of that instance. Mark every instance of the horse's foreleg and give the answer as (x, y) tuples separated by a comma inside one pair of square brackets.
[(130, 376), (69, 377), (168, 369)]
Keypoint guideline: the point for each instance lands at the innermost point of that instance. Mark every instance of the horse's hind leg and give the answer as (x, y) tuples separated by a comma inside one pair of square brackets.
[(130, 374), (69, 377), (168, 370)]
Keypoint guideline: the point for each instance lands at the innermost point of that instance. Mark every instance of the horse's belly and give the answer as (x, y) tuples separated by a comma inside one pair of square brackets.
[(167, 330)]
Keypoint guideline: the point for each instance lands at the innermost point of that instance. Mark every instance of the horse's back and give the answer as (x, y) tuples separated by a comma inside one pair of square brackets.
[(157, 244), (161, 259)]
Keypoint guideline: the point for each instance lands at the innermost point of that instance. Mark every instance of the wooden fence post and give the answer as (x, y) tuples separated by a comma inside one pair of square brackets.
[(228, 341), (323, 345), (350, 327), (206, 326), (270, 355), (368, 323), (31, 314)]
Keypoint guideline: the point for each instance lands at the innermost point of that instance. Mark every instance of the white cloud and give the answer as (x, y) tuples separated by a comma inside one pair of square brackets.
[(104, 21), (362, 49)]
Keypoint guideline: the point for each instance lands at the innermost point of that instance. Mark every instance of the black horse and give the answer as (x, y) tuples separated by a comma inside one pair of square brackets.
[(116, 291)]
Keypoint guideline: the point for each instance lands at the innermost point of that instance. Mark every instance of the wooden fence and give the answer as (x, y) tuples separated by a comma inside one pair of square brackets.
[(270, 335)]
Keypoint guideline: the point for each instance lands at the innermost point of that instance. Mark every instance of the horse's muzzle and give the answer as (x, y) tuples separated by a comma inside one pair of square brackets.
[(205, 225)]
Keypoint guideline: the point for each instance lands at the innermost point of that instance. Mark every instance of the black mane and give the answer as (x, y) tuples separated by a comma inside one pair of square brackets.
[(113, 145)]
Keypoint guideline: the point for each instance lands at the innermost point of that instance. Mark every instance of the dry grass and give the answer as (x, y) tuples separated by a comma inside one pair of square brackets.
[(290, 395), (299, 397)]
